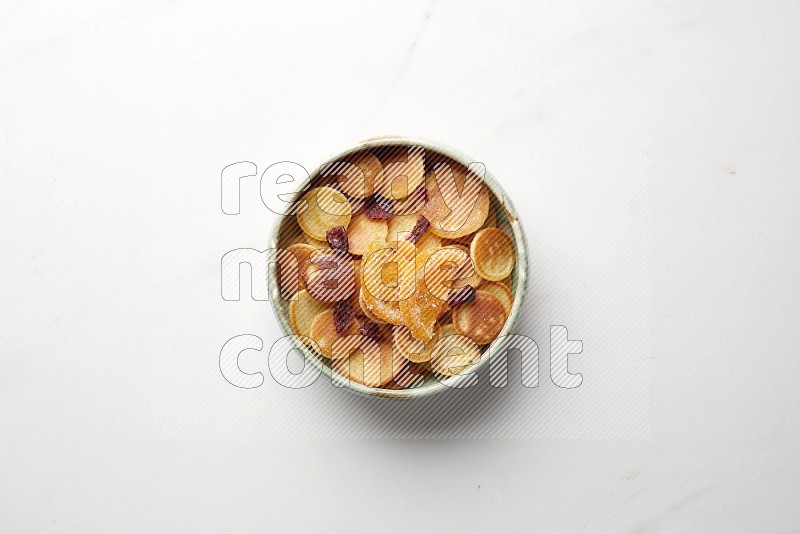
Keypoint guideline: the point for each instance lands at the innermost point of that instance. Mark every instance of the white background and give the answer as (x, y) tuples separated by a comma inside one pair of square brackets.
[(651, 147)]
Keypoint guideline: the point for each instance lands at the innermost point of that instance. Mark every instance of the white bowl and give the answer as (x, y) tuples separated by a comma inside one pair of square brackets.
[(507, 215)]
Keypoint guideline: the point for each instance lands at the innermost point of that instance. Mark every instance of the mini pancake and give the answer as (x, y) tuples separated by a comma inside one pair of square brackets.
[(291, 276), (356, 174), (413, 203), (492, 253), (481, 319), (400, 227), (354, 300), (366, 361), (466, 273), (445, 268), (315, 242), (501, 291), (403, 171), (453, 353), (490, 222), (412, 349), (410, 374), (420, 312), (362, 231), (323, 332), (302, 312), (330, 277), (458, 201), (325, 208)]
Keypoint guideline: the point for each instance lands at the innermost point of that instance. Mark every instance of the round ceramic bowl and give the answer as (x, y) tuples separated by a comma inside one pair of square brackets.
[(507, 217)]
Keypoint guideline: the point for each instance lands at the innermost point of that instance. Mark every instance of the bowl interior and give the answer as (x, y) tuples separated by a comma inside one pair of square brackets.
[(507, 219)]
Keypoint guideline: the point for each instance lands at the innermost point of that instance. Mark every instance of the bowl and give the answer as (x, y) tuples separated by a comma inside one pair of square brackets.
[(507, 216)]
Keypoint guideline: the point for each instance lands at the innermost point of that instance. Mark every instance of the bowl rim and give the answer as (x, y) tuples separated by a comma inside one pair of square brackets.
[(521, 273)]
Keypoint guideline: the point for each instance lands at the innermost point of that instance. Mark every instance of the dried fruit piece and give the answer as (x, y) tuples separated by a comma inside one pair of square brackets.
[(492, 253), (387, 278), (461, 296), (420, 228), (482, 319), (368, 313), (371, 330), (337, 238), (379, 208), (420, 312), (343, 316)]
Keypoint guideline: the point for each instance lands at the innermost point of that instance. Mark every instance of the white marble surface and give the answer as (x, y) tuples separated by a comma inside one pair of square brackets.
[(652, 148)]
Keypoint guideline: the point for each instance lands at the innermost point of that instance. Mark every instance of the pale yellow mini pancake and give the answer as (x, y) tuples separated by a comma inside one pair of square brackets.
[(363, 231), (302, 312), (325, 208), (453, 353)]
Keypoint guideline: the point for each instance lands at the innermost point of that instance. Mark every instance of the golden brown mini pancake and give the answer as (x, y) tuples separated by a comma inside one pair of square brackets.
[(325, 208), (492, 254), (323, 332), (357, 182), (453, 353), (481, 319), (363, 231), (501, 291), (458, 201), (302, 312), (403, 171), (412, 349)]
